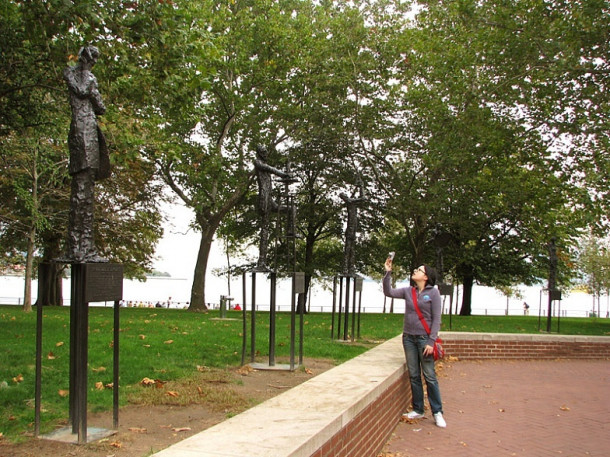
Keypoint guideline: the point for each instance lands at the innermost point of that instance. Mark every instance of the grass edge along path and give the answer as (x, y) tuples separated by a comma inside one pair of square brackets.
[(165, 346)]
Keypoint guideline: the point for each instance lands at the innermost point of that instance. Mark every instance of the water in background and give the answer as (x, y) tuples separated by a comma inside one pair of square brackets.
[(155, 290)]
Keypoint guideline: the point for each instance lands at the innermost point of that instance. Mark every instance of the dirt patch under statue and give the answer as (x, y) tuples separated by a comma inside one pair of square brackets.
[(151, 427)]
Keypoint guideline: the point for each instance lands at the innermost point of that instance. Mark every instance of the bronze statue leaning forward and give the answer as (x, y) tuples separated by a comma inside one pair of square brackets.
[(89, 159)]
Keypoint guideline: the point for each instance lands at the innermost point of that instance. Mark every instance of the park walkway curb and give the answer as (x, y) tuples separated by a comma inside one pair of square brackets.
[(351, 410)]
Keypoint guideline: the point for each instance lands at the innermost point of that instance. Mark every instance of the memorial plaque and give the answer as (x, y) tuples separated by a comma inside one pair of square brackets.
[(103, 282), (445, 289), (555, 295), (358, 285), (299, 282)]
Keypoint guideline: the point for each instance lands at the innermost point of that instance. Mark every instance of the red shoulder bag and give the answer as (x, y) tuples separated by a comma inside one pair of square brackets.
[(439, 352)]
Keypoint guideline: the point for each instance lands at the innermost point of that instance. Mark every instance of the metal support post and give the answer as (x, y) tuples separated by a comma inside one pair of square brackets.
[(347, 290), (244, 333), (272, 295)]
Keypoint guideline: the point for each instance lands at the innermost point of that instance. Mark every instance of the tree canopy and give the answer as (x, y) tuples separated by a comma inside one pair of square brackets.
[(479, 130)]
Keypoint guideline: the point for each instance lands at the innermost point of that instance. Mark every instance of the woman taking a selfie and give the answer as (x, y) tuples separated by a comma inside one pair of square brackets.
[(417, 343)]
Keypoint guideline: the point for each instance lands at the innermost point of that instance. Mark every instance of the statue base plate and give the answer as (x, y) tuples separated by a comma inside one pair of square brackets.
[(65, 435), (276, 367)]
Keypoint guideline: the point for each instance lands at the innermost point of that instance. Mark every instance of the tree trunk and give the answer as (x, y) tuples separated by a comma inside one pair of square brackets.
[(208, 224), (208, 229), (468, 282), (302, 298), (198, 289), (309, 245), (50, 290), (50, 273)]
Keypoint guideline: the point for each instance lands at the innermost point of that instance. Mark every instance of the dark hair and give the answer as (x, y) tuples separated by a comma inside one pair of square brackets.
[(431, 274)]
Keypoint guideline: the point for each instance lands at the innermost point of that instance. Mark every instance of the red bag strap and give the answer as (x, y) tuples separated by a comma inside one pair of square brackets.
[(417, 310)]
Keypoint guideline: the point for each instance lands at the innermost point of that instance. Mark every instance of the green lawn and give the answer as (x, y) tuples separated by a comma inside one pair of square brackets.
[(177, 344)]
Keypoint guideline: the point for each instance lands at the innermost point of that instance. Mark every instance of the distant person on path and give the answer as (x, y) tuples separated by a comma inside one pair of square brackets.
[(418, 345), (526, 309)]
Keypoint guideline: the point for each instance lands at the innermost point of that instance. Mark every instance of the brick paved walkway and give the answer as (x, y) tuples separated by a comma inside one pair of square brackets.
[(514, 408)]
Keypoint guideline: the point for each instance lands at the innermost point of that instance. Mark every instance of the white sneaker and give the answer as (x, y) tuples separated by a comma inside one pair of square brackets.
[(413, 415), (440, 422)]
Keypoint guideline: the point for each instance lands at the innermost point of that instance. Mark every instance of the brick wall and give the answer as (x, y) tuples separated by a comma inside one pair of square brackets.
[(516, 346), (367, 433)]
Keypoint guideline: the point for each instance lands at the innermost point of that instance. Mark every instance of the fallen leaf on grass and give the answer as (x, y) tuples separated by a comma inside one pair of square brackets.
[(59, 343), (99, 385), (152, 382), (308, 371), (564, 408), (63, 392), (142, 337), (245, 370), (51, 356), (181, 429), (168, 342), (116, 444), (137, 430), (17, 379), (172, 393), (98, 369)]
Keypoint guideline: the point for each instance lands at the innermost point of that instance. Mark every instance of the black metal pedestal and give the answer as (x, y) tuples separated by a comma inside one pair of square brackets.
[(346, 283), (298, 287), (91, 282)]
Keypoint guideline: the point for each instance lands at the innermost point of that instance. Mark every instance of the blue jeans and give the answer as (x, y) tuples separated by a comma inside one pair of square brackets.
[(416, 363)]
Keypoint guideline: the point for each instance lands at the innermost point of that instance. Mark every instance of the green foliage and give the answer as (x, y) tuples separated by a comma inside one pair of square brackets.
[(39, 39), (484, 122), (594, 263), (489, 155)]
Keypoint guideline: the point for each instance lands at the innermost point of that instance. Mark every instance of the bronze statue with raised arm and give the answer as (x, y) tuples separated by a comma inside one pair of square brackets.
[(266, 203)]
